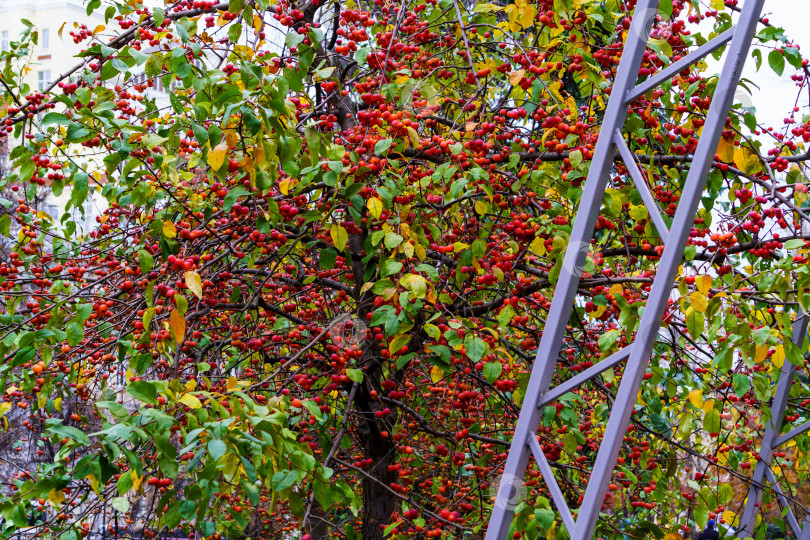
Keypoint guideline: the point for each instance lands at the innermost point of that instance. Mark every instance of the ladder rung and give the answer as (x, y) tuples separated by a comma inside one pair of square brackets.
[(791, 434), (676, 67), (551, 482), (641, 186), (584, 376)]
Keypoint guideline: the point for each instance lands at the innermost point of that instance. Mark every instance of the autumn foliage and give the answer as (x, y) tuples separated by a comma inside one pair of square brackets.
[(312, 300)]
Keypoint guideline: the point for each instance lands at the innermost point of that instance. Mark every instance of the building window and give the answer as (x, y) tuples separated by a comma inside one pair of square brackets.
[(46, 39), (4, 40), (43, 79)]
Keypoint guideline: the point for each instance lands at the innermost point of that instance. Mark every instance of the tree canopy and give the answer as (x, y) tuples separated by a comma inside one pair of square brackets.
[(310, 305)]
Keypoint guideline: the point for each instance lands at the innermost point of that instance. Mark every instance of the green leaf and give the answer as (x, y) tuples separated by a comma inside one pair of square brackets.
[(382, 285), (492, 370), (544, 517), (55, 118), (143, 391), (83, 312), (158, 15), (741, 384), (284, 479), (762, 387), (327, 258), (777, 61), (443, 353), (761, 335), (216, 448), (701, 513), (145, 261), (695, 322), (75, 332), (382, 146), (263, 180), (355, 375), (121, 503), (392, 240), (232, 196), (608, 339), (124, 483), (475, 348), (711, 421), (55, 426)]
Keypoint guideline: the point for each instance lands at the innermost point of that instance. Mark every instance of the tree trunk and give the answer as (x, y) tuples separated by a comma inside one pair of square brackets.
[(378, 501)]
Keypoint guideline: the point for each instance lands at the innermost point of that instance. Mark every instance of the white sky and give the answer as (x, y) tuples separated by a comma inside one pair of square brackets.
[(776, 95)]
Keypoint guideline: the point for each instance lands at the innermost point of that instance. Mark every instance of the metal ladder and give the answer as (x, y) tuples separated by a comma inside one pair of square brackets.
[(611, 142)]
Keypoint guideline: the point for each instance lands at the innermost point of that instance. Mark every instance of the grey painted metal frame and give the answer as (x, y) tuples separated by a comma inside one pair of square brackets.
[(624, 92), (770, 441)]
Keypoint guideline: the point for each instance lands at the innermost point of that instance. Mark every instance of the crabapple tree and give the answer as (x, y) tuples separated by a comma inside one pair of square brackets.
[(329, 232)]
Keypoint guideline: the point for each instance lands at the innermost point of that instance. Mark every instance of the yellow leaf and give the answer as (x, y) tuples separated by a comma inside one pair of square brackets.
[(420, 251), (177, 324), (696, 398), (761, 353), (554, 88), (232, 384), (708, 405), (481, 207), (191, 401), (4, 408), (136, 480), (414, 136), (747, 161), (538, 246), (527, 15), (95, 484), (194, 283), (375, 207), (778, 357), (61, 29), (284, 187), (231, 138), (730, 518), (703, 283), (436, 374), (169, 229), (470, 126), (725, 151), (616, 289), (516, 76), (216, 157), (99, 28), (414, 283), (56, 498), (407, 249), (402, 79), (699, 301), (366, 287), (398, 342), (339, 236)]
